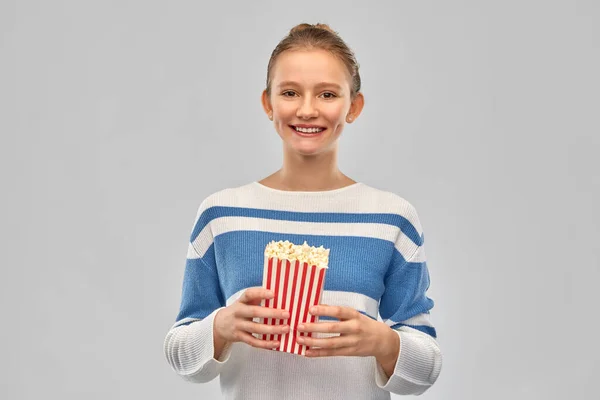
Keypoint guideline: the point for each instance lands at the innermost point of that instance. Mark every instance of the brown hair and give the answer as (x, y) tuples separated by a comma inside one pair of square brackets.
[(318, 36)]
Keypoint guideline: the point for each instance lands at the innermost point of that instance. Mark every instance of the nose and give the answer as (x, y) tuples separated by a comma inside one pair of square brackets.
[(307, 109)]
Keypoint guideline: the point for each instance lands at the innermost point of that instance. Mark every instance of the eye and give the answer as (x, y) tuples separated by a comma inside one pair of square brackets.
[(288, 93), (329, 95)]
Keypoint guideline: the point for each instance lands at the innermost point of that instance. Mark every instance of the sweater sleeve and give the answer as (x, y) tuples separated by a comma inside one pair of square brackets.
[(189, 344), (405, 308)]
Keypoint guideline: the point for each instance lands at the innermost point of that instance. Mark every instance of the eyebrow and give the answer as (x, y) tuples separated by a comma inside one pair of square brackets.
[(320, 84)]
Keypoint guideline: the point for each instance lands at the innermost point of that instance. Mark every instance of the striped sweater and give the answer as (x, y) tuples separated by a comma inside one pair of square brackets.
[(376, 265)]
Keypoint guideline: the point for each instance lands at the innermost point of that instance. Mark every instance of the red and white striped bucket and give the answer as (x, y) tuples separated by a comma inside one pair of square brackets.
[(297, 287)]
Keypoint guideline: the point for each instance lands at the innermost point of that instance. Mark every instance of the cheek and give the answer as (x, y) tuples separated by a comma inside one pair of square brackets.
[(284, 109), (335, 113)]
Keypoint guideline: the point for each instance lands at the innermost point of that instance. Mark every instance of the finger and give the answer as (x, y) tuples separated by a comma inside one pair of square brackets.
[(327, 343), (255, 295), (344, 351), (253, 327), (254, 342), (327, 327), (339, 312), (249, 312)]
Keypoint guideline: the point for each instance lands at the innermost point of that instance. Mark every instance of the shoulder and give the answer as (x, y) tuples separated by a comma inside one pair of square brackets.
[(227, 197), (389, 201), (402, 210)]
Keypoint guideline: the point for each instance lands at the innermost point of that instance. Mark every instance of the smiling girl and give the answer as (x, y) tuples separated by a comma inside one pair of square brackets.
[(377, 265)]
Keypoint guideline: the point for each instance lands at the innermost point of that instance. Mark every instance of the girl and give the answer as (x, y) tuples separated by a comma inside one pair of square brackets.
[(376, 266)]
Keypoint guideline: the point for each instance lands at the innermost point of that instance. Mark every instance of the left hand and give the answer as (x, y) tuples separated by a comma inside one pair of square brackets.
[(359, 334)]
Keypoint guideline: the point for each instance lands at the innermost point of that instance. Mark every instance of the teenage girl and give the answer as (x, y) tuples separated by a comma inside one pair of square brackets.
[(377, 263)]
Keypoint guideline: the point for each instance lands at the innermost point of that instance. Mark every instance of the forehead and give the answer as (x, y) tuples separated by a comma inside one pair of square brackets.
[(309, 67)]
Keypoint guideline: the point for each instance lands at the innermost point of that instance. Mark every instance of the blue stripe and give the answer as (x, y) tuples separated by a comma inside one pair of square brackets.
[(423, 328), (329, 217), (326, 318), (189, 322), (405, 290), (323, 318), (356, 264), (201, 293)]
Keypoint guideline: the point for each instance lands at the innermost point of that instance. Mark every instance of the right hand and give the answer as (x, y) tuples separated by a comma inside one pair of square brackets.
[(234, 323)]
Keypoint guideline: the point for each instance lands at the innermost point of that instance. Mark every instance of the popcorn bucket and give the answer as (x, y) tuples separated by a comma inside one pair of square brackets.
[(297, 281)]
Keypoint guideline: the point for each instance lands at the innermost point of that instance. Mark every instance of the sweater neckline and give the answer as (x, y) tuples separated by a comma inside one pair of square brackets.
[(306, 193)]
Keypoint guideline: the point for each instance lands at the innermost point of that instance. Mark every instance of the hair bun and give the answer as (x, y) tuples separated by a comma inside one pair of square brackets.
[(304, 26)]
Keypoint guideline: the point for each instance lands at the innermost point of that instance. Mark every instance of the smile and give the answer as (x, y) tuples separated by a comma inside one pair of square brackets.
[(308, 132)]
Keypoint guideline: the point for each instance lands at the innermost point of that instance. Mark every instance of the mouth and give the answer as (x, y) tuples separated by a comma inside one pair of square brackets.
[(312, 131)]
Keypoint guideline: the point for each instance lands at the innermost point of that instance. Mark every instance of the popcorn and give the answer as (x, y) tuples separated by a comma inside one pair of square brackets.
[(295, 274), (287, 250)]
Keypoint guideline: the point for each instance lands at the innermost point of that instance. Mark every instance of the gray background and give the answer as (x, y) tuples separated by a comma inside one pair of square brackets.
[(119, 117)]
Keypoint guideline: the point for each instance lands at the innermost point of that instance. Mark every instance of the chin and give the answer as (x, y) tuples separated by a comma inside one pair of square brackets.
[(309, 151)]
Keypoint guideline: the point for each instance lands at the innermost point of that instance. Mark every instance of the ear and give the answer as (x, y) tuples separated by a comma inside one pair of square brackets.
[(266, 103), (355, 107)]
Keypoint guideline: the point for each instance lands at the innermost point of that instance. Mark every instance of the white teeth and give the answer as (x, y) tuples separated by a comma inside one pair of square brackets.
[(308, 130)]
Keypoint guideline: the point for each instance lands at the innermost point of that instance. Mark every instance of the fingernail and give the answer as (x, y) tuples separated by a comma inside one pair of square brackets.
[(301, 326), (313, 310), (285, 315)]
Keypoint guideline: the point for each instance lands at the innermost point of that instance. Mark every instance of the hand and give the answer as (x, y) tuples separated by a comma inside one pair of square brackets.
[(234, 323), (359, 334)]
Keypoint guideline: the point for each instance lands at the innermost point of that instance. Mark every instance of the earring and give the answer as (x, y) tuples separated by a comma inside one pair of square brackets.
[(271, 116), (349, 118)]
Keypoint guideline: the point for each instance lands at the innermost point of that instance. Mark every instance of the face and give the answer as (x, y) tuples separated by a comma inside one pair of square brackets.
[(310, 100)]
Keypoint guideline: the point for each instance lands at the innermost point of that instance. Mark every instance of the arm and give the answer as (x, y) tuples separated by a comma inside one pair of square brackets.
[(389, 351), (190, 346), (415, 364)]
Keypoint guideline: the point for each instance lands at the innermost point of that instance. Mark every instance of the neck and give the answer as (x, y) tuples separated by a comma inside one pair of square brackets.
[(309, 173)]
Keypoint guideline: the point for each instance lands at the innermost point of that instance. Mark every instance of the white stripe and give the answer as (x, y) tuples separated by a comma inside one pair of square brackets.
[(419, 255), (231, 224), (420, 319), (185, 320), (224, 225), (191, 252), (314, 297), (288, 301), (357, 301), (291, 296), (363, 199), (299, 305)]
